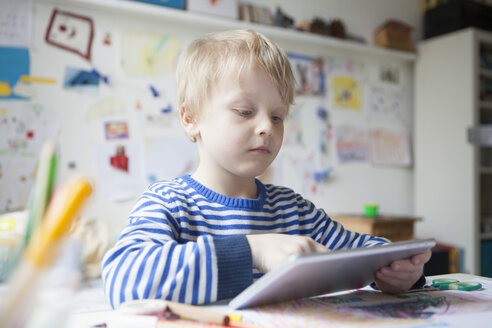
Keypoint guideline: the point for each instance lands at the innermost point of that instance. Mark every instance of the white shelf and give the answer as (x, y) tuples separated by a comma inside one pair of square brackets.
[(197, 19)]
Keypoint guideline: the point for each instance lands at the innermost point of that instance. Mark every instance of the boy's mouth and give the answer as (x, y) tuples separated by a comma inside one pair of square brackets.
[(261, 150)]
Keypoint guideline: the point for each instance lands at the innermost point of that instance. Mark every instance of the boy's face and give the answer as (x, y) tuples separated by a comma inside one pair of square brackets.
[(241, 125)]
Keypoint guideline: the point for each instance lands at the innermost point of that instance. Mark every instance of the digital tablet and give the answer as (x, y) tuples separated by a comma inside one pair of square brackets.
[(323, 273)]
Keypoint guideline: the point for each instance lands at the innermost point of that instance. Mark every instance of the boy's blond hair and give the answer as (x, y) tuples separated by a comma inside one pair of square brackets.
[(218, 55)]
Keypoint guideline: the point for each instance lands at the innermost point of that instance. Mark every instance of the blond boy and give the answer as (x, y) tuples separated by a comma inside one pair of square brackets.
[(205, 237)]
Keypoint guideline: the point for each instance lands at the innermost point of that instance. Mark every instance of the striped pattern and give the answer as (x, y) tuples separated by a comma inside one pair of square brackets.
[(182, 237)]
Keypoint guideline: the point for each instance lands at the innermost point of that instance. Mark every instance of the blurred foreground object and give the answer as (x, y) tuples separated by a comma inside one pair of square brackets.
[(42, 250), (96, 239)]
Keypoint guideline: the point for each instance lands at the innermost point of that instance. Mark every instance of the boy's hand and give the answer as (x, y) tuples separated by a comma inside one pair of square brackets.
[(271, 250), (400, 275)]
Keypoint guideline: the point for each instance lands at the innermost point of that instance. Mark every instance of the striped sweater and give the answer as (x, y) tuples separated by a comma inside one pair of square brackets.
[(186, 243)]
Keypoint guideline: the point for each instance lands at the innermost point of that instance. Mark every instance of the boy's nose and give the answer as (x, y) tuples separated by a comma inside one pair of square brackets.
[(264, 126)]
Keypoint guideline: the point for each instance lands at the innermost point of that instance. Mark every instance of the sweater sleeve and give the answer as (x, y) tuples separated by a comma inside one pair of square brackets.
[(149, 262), (333, 235)]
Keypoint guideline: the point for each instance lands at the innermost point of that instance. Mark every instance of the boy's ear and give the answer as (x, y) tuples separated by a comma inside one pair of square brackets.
[(188, 123)]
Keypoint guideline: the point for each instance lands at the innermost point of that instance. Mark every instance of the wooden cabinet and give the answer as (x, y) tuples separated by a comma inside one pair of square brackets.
[(395, 228)]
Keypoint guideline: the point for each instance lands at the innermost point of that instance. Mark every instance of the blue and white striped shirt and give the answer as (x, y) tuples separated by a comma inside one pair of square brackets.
[(187, 243)]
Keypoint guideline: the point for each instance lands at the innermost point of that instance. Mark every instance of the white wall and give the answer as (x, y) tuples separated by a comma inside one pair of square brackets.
[(347, 191)]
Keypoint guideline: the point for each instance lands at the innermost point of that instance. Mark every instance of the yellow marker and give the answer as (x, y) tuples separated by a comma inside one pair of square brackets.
[(62, 210), (5, 89), (25, 78)]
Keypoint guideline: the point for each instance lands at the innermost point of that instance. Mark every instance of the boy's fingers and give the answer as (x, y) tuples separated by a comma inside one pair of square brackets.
[(422, 258)]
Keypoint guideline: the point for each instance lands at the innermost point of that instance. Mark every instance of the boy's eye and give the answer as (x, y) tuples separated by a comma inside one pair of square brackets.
[(244, 112), (277, 118)]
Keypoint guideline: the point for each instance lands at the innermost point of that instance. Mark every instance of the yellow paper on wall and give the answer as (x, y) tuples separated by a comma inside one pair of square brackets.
[(346, 92), (5, 89)]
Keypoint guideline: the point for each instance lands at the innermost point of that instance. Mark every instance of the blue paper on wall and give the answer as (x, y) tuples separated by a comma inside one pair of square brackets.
[(81, 80), (14, 63)]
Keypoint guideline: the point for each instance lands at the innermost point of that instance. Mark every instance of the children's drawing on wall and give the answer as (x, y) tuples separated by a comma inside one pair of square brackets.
[(16, 23), (346, 93), (389, 74), (167, 157), (71, 32), (119, 160), (309, 74), (386, 103), (351, 143), (119, 174), (156, 111), (81, 81), (390, 147), (105, 107), (148, 54), (116, 130), (23, 128), (14, 63)]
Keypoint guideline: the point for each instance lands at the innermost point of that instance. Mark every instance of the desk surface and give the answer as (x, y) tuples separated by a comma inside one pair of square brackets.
[(365, 308)]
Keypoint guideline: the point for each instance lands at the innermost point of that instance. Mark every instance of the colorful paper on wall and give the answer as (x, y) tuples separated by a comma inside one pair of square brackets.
[(389, 147), (119, 171), (71, 32), (116, 130), (23, 129), (351, 143), (149, 54), (309, 74), (346, 92), (14, 62), (81, 80)]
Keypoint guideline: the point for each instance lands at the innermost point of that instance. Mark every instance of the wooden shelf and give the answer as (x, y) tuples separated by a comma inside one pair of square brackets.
[(197, 19)]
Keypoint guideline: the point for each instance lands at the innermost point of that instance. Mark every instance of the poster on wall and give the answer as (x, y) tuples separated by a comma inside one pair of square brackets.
[(70, 32), (119, 170), (351, 143), (386, 103), (148, 54), (15, 23), (390, 147), (23, 129), (309, 74), (14, 63)]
